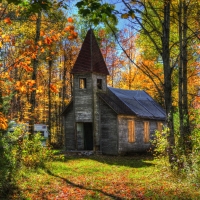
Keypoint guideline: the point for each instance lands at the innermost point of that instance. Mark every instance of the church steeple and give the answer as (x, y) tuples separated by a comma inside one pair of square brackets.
[(90, 59)]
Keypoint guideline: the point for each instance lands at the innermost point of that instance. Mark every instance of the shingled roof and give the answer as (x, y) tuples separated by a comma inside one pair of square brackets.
[(90, 58), (133, 102)]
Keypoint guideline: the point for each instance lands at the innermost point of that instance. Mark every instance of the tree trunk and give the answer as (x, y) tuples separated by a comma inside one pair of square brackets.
[(49, 98), (180, 86), (167, 79), (34, 75), (186, 123), (64, 86)]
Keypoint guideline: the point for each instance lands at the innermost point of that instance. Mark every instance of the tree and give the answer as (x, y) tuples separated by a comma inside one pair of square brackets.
[(155, 22), (31, 70)]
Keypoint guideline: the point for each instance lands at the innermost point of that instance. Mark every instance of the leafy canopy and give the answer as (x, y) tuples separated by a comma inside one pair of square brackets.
[(35, 6), (96, 12)]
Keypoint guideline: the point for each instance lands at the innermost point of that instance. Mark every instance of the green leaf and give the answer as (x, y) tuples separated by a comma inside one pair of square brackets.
[(85, 12), (96, 21), (104, 17), (95, 6), (131, 14), (79, 4)]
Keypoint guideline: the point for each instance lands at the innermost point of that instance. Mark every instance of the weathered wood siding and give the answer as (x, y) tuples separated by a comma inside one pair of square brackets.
[(86, 105), (96, 122), (70, 143), (139, 145), (109, 130), (83, 99)]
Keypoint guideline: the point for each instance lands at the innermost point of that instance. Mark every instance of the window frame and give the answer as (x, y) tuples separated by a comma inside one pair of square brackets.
[(82, 85), (99, 81), (146, 131), (131, 131)]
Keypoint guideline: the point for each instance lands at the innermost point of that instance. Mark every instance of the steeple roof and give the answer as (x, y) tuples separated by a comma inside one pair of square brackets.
[(90, 58)]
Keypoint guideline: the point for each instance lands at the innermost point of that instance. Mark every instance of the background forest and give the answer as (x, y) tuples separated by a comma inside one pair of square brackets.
[(147, 45), (155, 47)]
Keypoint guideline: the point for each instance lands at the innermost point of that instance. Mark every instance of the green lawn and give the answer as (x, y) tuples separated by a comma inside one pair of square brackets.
[(104, 177)]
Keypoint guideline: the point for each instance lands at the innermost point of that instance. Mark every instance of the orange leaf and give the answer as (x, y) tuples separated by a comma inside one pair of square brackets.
[(53, 88), (30, 82), (27, 68), (47, 40), (71, 27), (3, 122), (22, 89), (13, 42), (42, 33), (40, 43), (18, 84), (7, 20), (67, 28), (70, 37), (33, 56), (70, 20), (54, 37), (75, 34)]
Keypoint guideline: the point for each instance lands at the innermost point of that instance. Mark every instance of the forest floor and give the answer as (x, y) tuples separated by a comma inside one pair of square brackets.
[(103, 177)]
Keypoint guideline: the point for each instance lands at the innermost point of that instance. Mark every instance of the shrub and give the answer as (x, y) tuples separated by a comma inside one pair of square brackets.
[(186, 165), (33, 154), (195, 155), (17, 150), (7, 167), (160, 143)]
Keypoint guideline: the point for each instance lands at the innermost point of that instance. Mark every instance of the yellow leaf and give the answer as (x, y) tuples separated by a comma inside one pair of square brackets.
[(125, 16), (40, 43)]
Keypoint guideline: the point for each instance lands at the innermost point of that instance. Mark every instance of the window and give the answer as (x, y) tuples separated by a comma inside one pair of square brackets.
[(146, 132), (131, 131), (159, 126), (82, 83), (99, 84)]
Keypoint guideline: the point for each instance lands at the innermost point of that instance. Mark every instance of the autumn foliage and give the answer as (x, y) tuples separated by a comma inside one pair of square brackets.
[(20, 54), (3, 122)]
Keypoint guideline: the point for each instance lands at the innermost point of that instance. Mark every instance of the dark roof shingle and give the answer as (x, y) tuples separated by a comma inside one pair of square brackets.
[(133, 102), (90, 58)]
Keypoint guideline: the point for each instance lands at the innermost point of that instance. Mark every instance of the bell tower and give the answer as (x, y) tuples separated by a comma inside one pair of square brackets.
[(89, 77)]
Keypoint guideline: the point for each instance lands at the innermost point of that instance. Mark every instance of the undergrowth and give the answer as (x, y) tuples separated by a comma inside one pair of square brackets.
[(19, 151)]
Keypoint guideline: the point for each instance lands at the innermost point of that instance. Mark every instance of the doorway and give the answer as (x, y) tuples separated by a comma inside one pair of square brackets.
[(88, 136), (84, 136)]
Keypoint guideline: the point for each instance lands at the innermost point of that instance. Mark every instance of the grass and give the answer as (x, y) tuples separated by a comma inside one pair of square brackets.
[(103, 177)]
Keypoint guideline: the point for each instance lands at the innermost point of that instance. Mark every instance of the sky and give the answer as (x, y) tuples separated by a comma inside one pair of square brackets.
[(118, 5)]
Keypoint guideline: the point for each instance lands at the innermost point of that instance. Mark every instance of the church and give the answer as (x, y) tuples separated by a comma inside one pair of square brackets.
[(102, 119)]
